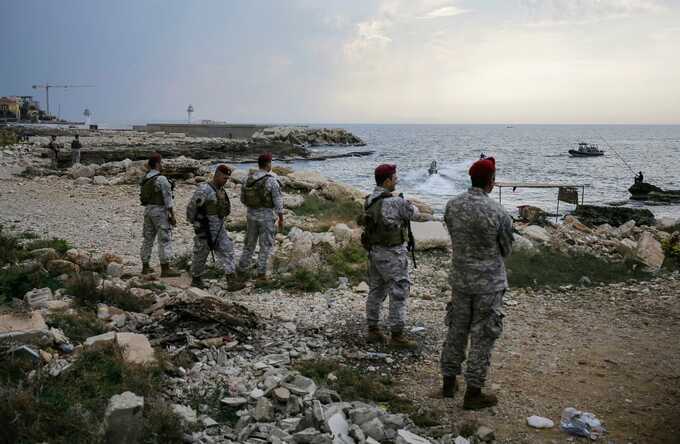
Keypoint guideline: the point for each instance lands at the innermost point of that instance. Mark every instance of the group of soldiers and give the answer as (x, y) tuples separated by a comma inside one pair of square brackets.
[(207, 210), (481, 236)]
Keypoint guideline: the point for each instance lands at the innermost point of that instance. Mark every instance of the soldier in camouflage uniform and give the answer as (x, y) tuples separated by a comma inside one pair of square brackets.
[(385, 221), (159, 217), (481, 236), (53, 146), (207, 209), (261, 193)]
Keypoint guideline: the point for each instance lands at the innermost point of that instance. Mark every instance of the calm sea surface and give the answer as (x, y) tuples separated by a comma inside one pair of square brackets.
[(524, 153)]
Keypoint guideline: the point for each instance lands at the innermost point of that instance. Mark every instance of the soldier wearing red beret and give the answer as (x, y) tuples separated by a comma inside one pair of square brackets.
[(481, 237), (385, 221), (207, 210)]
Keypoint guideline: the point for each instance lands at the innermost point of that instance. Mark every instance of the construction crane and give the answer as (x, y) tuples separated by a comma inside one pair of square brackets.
[(47, 87)]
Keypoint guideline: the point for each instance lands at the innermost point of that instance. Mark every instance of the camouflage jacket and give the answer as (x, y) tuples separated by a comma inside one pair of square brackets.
[(272, 185), (396, 212), (481, 236)]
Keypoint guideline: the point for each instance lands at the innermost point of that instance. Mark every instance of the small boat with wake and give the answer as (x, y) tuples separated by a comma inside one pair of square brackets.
[(586, 150)]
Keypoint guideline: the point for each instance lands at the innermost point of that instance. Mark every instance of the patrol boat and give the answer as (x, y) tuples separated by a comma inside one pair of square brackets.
[(586, 150)]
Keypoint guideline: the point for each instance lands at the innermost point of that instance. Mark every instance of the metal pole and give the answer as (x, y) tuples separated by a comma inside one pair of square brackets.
[(557, 213), (47, 97)]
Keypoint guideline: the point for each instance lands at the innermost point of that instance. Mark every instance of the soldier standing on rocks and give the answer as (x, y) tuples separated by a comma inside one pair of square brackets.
[(54, 152), (481, 236), (207, 209), (75, 150), (385, 221), (261, 193), (159, 217)]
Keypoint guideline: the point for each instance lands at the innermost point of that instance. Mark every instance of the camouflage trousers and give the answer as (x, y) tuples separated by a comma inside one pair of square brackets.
[(75, 157), (262, 232), (479, 317), (387, 274), (53, 160), (156, 225), (224, 253)]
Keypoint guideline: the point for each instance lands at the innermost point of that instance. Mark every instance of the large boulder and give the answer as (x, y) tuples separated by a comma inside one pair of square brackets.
[(430, 235), (136, 348), (342, 234), (536, 233), (650, 252), (60, 266), (124, 418), (615, 216), (340, 192), (306, 180), (78, 170), (23, 327), (292, 201)]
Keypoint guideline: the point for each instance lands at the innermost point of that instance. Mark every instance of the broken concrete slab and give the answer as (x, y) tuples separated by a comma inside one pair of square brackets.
[(23, 327)]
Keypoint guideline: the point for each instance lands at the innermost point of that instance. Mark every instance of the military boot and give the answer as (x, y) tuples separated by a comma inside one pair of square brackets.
[(450, 386), (399, 340), (167, 272), (234, 283), (146, 268), (375, 335), (197, 281), (476, 400)]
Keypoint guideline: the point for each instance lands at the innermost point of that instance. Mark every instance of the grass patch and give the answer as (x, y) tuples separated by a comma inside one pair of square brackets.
[(70, 407), (88, 292), (77, 326), (353, 384), (15, 283), (549, 268), (349, 261), (61, 245), (329, 212), (7, 137)]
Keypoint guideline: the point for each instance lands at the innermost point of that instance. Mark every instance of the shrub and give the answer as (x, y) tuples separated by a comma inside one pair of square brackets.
[(15, 283), (88, 292), (77, 326), (70, 408), (549, 268), (329, 212), (9, 245), (7, 137)]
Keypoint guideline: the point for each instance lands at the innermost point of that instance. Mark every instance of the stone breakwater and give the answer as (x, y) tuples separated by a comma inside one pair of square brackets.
[(304, 136)]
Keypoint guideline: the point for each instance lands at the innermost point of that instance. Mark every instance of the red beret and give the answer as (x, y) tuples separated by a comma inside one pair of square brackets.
[(224, 169), (265, 157), (483, 168), (155, 156), (385, 170)]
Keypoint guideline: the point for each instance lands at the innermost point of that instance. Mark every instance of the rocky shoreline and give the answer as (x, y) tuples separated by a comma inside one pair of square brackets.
[(239, 364)]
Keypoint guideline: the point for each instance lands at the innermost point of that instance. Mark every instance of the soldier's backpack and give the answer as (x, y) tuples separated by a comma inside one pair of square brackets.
[(374, 230), (148, 195), (255, 195)]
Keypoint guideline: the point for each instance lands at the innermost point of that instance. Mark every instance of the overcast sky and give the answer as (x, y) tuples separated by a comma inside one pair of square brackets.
[(349, 61)]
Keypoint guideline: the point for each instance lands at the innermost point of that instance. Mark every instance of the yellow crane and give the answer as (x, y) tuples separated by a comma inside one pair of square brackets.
[(47, 87)]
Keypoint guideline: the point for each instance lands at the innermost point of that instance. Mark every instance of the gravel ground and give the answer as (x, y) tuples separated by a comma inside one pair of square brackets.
[(611, 350)]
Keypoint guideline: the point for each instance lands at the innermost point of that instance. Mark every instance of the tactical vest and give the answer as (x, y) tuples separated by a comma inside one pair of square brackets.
[(255, 193), (376, 232), (221, 206), (148, 194)]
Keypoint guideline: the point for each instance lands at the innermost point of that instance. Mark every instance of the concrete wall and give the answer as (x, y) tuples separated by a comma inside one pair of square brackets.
[(202, 130)]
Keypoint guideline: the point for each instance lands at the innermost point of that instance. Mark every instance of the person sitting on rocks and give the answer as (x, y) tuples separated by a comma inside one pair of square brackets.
[(207, 209), (159, 217), (481, 236)]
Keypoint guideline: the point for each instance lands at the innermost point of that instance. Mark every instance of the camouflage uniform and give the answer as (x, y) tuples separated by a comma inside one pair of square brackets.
[(261, 224), (54, 154), (481, 236), (388, 266), (224, 247), (75, 151), (156, 223)]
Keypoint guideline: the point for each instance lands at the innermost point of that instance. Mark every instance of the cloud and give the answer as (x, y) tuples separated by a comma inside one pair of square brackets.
[(582, 12), (446, 11), (369, 35)]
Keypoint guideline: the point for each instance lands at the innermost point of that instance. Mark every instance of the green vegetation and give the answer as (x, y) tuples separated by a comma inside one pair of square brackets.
[(77, 326), (70, 408), (329, 212), (550, 268), (14, 283), (354, 384), (281, 170), (86, 291), (7, 137), (349, 261), (60, 245)]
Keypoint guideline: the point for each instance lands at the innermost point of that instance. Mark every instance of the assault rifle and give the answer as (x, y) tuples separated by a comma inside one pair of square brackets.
[(411, 246)]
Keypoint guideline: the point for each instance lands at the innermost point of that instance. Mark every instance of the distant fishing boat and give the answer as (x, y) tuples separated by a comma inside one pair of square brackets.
[(586, 150)]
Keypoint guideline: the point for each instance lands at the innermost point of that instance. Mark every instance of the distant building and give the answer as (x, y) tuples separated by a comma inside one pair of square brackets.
[(10, 108), (20, 108)]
